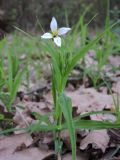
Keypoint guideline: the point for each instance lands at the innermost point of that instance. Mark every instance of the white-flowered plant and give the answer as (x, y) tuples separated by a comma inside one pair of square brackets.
[(55, 32)]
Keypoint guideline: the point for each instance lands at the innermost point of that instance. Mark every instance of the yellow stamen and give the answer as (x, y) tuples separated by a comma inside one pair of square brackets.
[(55, 33)]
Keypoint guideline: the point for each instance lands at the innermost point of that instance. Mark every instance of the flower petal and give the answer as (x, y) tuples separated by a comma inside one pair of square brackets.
[(57, 41), (63, 30), (47, 36), (53, 25)]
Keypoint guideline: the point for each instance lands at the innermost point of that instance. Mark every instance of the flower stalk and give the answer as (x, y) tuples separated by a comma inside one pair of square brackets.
[(59, 65)]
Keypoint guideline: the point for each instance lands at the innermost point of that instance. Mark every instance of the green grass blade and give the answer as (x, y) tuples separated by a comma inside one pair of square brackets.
[(22, 31), (44, 128), (66, 107), (93, 125), (83, 51), (89, 124), (10, 72), (32, 128), (10, 130), (16, 85)]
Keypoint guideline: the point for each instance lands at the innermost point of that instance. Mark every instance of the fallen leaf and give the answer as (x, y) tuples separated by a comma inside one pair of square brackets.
[(9, 144), (98, 138), (103, 117), (23, 116), (22, 120), (9, 148), (89, 99), (79, 156), (114, 60), (116, 87), (27, 154), (86, 100)]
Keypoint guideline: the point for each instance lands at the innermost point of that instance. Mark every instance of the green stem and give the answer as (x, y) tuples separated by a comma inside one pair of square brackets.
[(57, 91), (58, 144)]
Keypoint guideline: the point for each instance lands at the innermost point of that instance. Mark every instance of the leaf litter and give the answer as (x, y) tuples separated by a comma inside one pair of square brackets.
[(85, 100), (21, 145)]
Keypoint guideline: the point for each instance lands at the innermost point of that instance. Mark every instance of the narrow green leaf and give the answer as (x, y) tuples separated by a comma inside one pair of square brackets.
[(10, 72), (39, 127), (93, 125), (66, 107), (43, 118), (92, 113), (83, 51), (22, 31), (88, 124), (10, 130)]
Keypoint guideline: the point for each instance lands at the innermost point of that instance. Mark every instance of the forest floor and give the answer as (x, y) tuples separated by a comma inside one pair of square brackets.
[(86, 97)]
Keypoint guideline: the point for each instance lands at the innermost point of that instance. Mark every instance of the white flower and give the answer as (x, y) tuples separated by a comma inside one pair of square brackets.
[(55, 32)]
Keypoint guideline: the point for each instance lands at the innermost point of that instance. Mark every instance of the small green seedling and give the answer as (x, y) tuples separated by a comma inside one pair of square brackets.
[(10, 80)]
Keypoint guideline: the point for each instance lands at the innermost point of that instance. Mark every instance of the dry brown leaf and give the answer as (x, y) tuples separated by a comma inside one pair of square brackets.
[(86, 99), (22, 120), (39, 107), (9, 144), (89, 99), (114, 60), (82, 132), (116, 87), (23, 116), (27, 154), (9, 148), (98, 138), (46, 140), (103, 117), (80, 156), (49, 100), (41, 85)]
